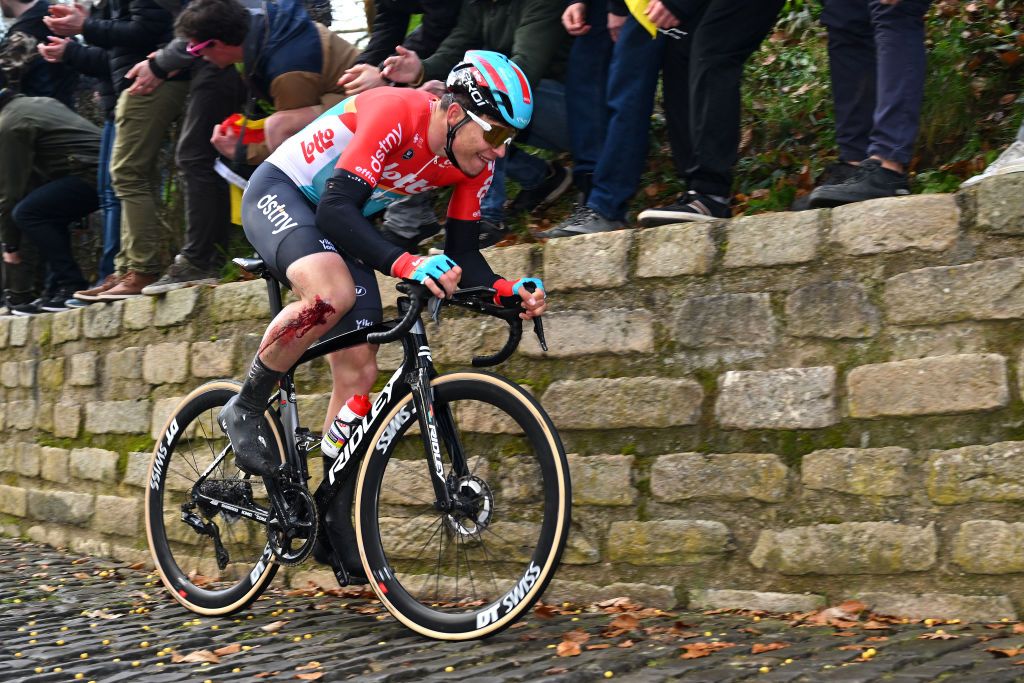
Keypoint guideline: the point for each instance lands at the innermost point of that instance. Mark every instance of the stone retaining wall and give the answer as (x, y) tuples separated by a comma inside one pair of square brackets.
[(776, 411)]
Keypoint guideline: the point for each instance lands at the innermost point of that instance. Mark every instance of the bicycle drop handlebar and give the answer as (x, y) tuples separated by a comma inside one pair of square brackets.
[(479, 299)]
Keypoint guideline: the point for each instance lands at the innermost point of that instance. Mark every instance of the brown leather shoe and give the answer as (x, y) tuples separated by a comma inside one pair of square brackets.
[(93, 293), (129, 286)]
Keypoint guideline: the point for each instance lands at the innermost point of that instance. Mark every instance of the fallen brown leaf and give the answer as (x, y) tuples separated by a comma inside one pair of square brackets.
[(626, 622), (854, 647), (197, 656), (274, 627), (941, 636), (310, 676), (48, 589), (599, 646), (577, 636), (703, 649), (626, 643), (545, 611), (758, 648), (875, 625), (568, 648), (228, 649), (1007, 652), (877, 639), (1018, 628), (137, 565), (555, 671), (266, 674)]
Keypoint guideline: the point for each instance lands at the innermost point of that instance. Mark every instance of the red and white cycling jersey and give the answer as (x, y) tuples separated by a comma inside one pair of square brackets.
[(380, 136)]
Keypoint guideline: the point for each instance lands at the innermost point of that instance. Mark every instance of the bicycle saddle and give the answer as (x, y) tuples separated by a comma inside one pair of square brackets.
[(253, 265)]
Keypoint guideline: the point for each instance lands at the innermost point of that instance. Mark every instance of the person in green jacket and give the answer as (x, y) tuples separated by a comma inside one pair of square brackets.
[(530, 33), (48, 161)]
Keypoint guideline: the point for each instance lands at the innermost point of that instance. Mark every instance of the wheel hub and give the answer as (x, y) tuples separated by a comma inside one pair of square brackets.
[(472, 506)]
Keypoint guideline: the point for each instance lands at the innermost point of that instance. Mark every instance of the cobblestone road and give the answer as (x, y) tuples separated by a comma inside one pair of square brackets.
[(70, 618)]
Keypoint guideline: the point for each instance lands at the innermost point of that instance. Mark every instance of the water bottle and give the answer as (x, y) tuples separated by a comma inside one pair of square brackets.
[(354, 410)]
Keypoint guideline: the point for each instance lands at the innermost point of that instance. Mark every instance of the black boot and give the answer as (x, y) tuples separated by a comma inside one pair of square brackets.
[(242, 419)]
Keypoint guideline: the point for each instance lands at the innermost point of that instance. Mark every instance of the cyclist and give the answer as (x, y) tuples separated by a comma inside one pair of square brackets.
[(306, 212)]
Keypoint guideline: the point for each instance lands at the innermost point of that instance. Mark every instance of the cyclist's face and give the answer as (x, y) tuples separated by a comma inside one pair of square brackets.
[(472, 151)]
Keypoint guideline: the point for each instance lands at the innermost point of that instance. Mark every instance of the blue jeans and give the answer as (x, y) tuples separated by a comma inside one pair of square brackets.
[(586, 81), (43, 216), (632, 83), (109, 204), (877, 57), (547, 130)]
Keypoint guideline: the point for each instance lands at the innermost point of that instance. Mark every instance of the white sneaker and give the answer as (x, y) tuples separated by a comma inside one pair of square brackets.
[(1010, 161)]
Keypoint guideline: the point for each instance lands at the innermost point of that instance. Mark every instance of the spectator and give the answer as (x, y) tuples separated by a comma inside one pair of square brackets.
[(408, 221), (603, 94), (93, 61), (143, 121), (286, 59), (1010, 161), (37, 78), (48, 160), (701, 78), (528, 32), (877, 58)]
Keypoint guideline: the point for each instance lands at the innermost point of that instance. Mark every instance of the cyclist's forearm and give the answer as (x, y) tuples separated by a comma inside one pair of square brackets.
[(461, 244), (339, 217)]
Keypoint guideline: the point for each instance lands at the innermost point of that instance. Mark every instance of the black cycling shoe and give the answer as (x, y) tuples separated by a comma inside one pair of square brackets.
[(353, 566), (250, 439)]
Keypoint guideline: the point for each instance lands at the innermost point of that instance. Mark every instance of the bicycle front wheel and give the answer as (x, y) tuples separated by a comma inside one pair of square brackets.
[(473, 571), (213, 560)]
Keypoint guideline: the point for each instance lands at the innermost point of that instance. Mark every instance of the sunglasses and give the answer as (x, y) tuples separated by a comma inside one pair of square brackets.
[(494, 135), (195, 49)]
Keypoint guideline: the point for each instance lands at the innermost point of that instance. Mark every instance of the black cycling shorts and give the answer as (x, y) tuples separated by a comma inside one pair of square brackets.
[(280, 223)]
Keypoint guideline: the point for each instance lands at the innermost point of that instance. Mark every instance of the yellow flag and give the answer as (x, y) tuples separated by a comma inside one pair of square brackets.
[(637, 9)]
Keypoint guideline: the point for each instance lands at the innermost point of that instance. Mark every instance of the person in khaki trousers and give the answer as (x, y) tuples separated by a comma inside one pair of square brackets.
[(143, 121)]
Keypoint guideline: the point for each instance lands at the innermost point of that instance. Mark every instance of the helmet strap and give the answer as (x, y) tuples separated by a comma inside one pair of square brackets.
[(452, 130)]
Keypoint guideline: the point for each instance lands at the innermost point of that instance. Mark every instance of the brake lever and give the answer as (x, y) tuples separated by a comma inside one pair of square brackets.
[(434, 308), (538, 329)]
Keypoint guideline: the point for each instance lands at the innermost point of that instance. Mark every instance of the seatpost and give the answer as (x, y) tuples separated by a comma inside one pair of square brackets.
[(273, 293)]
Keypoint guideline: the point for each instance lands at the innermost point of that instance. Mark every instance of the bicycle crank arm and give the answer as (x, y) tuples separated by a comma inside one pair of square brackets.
[(250, 513)]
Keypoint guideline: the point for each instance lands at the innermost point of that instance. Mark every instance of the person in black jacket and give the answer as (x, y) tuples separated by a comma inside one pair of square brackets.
[(37, 78), (93, 61), (135, 30)]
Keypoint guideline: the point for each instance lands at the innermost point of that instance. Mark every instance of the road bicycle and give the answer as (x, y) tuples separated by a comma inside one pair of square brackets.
[(462, 493)]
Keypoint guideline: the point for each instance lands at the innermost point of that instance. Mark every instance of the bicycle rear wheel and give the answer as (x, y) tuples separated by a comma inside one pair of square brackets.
[(472, 572), (194, 458)]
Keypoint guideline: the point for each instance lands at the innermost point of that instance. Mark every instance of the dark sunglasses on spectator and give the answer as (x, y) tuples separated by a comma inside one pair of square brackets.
[(494, 135), (195, 49)]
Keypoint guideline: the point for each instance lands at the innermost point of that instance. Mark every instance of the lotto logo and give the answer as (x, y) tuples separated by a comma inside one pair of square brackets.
[(322, 141)]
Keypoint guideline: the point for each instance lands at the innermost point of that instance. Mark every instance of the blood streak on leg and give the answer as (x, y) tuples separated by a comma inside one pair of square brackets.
[(308, 318)]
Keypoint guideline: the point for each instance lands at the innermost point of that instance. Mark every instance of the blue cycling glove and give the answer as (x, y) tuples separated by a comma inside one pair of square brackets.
[(419, 268)]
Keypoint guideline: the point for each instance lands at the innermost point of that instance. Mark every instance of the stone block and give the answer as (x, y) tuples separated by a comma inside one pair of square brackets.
[(928, 222), (9, 374), (966, 608), (138, 313), (54, 464), (773, 239), (714, 598), (137, 472), (124, 364), (929, 386), (999, 207), (512, 262), (860, 471), (5, 332), (116, 515), (579, 548), (991, 473), (730, 476), (67, 420), (584, 333), (13, 501), (67, 326), (598, 261), (44, 416), (50, 380), (602, 479), (163, 408), (165, 363), (117, 417), (55, 538), (831, 310), (597, 403), (241, 301), (671, 250), (582, 594), (64, 507), (847, 548), (21, 415), (94, 464), (667, 542), (725, 320), (989, 546), (986, 290), (176, 307), (213, 358), (19, 331), (789, 398), (103, 321), (8, 457), (83, 369), (28, 459), (39, 329), (84, 545)]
